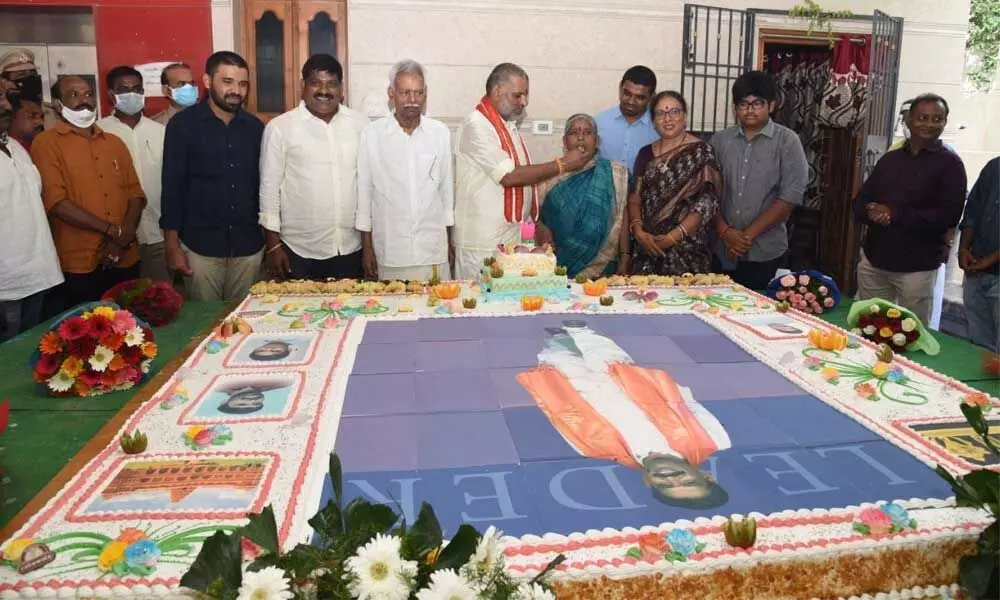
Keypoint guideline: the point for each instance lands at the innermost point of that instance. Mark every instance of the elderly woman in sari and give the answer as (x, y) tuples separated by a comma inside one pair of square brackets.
[(676, 195), (583, 213)]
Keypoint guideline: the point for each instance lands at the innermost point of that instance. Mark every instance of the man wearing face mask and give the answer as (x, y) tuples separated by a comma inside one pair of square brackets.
[(495, 182), (144, 139), (92, 195), (28, 261), (18, 67), (309, 180), (178, 85), (211, 186)]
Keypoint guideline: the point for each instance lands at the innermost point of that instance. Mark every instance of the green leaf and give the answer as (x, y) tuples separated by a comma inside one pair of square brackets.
[(327, 523), (337, 479), (262, 530), (912, 523), (699, 546), (634, 552), (861, 528), (986, 483), (675, 557), (263, 561), (119, 568), (219, 559), (965, 495), (459, 549), (975, 572), (142, 570), (367, 516), (424, 535)]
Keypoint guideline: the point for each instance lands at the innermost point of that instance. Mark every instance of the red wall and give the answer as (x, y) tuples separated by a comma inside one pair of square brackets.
[(132, 32)]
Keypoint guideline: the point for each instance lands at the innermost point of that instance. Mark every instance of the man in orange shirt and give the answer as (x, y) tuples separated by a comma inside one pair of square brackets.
[(92, 195)]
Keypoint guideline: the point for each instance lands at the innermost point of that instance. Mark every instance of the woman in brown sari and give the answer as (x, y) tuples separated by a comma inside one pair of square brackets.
[(678, 183)]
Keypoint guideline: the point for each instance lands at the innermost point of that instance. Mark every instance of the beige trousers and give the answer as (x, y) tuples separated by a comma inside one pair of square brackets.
[(914, 291), (418, 273), (154, 262), (221, 278)]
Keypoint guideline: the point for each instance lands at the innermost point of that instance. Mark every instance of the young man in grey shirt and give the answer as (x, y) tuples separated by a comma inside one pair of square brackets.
[(765, 172)]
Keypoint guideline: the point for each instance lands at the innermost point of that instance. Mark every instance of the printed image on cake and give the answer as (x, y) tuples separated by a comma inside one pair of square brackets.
[(516, 271)]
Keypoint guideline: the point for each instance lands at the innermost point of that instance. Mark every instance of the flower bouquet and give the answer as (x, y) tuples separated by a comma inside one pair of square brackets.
[(155, 302), (362, 550), (883, 322), (92, 350), (807, 291)]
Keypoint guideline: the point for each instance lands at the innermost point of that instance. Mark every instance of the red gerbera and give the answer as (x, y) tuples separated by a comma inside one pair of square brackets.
[(82, 348), (99, 326), (47, 365), (74, 328), (131, 354), (112, 340), (91, 378)]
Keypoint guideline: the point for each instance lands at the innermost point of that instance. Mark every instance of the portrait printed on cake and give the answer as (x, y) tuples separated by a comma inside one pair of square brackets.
[(231, 398), (772, 326), (184, 484), (607, 407), (264, 350)]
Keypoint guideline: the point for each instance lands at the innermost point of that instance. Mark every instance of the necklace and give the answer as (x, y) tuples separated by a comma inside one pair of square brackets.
[(663, 150)]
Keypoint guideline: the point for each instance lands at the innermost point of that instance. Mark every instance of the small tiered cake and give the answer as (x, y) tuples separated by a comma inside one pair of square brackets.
[(516, 271)]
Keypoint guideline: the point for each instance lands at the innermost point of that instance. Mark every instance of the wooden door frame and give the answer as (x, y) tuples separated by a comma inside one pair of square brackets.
[(302, 19), (252, 12)]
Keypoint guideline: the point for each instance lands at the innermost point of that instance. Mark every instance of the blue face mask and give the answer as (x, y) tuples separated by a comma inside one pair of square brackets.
[(186, 95), (130, 103)]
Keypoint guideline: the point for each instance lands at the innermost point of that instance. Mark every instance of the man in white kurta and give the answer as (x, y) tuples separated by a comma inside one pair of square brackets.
[(309, 181), (28, 261), (144, 139), (611, 411), (495, 182), (405, 186)]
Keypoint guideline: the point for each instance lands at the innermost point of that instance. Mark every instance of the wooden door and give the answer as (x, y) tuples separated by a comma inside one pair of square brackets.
[(320, 28), (269, 49)]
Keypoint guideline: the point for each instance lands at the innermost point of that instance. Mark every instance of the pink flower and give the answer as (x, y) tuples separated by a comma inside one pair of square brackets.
[(204, 437), (818, 310), (803, 289), (866, 391), (249, 549), (823, 290), (306, 317), (810, 297), (123, 322), (877, 521), (781, 295), (803, 280), (796, 298), (74, 328), (787, 281), (802, 305), (828, 302), (976, 399)]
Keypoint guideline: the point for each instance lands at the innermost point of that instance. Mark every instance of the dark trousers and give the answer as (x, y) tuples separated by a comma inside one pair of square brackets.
[(87, 287), (345, 266), (753, 275), (17, 316)]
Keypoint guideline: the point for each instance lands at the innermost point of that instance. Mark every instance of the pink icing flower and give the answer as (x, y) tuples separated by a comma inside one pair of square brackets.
[(204, 437), (306, 317), (249, 549), (787, 281), (803, 280), (828, 302), (866, 391), (812, 362), (976, 399), (877, 521), (653, 546)]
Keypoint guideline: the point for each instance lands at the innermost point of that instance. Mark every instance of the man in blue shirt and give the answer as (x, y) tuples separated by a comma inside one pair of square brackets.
[(211, 186), (979, 257), (624, 129)]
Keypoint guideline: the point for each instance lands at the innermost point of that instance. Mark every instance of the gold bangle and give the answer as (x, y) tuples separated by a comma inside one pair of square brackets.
[(560, 165), (684, 231), (273, 248)]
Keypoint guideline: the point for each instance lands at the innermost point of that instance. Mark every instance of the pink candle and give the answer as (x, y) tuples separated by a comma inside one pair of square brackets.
[(527, 232)]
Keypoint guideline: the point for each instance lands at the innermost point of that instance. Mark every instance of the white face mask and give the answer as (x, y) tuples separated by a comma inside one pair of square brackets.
[(130, 103), (82, 118)]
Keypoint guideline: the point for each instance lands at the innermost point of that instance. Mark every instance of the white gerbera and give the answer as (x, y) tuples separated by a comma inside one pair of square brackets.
[(533, 592), (448, 585), (908, 325), (134, 337), (378, 571), (270, 583), (487, 551), (60, 382), (101, 358)]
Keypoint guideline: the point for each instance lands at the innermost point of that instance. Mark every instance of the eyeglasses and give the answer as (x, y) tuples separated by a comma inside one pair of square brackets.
[(756, 104), (673, 113)]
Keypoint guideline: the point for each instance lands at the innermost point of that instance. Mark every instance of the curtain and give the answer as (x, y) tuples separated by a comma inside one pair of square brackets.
[(845, 96)]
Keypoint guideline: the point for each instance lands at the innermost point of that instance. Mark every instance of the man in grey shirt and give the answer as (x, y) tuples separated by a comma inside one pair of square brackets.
[(764, 172)]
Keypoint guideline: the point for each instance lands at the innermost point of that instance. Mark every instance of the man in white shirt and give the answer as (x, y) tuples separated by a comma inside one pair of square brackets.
[(309, 181), (28, 261), (494, 178), (405, 186), (144, 139)]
